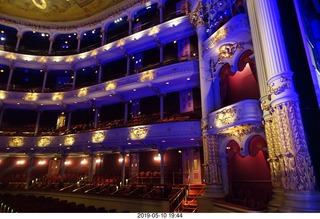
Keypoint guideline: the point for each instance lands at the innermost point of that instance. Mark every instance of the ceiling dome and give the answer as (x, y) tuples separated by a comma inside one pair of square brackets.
[(54, 10)]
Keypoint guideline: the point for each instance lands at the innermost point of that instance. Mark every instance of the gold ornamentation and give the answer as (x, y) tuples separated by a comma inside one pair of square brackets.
[(227, 50), (111, 85), (3, 95), (147, 76), (83, 92), (295, 161), (69, 140), (196, 16), (57, 96), (242, 130), (98, 137), (273, 152), (16, 142), (212, 164), (226, 117), (138, 133), (218, 36), (31, 96), (276, 90), (44, 141)]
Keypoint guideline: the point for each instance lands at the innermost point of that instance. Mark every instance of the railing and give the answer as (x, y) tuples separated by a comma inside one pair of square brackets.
[(194, 199), (176, 201)]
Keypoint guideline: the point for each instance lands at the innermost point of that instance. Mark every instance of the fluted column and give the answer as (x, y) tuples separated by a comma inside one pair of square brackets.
[(270, 128), (292, 157)]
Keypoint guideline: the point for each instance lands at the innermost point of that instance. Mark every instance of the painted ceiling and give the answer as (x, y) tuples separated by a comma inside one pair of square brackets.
[(55, 10)]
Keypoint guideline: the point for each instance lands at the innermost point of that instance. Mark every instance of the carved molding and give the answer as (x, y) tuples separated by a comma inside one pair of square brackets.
[(294, 158)]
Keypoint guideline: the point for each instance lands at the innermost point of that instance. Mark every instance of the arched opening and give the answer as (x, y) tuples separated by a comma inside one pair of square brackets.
[(249, 177), (240, 85)]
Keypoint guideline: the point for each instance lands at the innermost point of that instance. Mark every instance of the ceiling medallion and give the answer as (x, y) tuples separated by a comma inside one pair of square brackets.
[(42, 4)]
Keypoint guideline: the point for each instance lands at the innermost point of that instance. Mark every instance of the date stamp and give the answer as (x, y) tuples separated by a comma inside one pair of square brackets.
[(159, 215)]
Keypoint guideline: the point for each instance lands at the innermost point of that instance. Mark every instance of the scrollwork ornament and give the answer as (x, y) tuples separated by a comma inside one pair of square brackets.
[(275, 89)]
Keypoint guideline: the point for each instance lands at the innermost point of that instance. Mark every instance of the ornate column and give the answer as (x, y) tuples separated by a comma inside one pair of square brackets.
[(297, 178), (269, 125), (210, 144), (212, 166)]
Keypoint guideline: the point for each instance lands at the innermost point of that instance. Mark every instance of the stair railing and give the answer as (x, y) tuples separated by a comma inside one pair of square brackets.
[(195, 198), (176, 201)]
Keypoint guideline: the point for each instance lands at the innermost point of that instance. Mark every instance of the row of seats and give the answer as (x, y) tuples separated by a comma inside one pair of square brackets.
[(21, 203), (28, 130)]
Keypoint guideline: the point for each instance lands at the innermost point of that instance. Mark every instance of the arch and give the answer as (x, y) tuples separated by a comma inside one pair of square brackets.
[(257, 143), (239, 85), (232, 149)]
